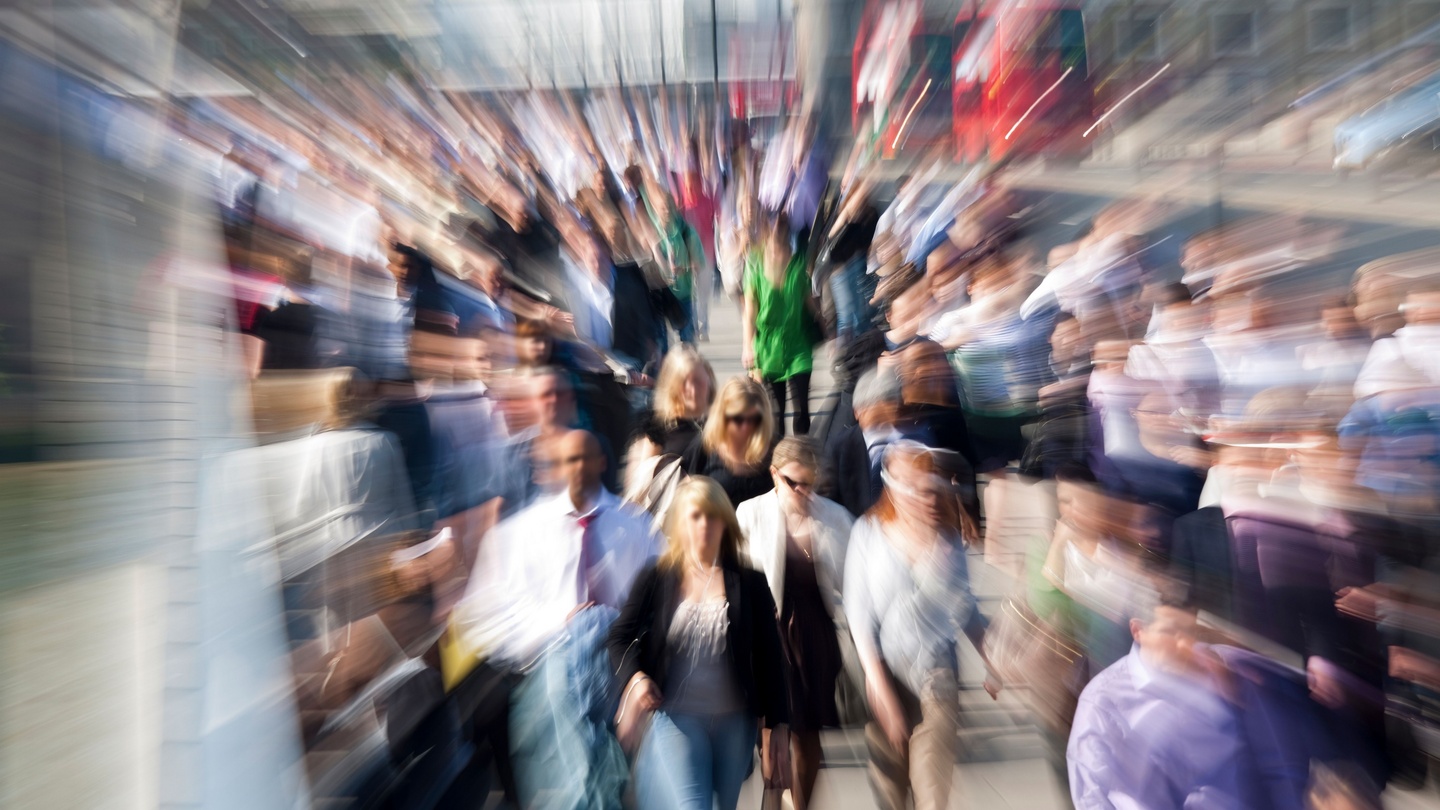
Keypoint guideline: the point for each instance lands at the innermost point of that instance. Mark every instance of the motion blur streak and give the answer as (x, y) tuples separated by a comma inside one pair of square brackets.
[(573, 404)]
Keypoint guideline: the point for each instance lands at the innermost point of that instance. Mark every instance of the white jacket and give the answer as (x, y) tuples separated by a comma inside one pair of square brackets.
[(764, 526)]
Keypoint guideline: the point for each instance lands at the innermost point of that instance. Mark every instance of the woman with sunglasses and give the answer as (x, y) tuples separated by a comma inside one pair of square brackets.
[(907, 598), (734, 447), (798, 539)]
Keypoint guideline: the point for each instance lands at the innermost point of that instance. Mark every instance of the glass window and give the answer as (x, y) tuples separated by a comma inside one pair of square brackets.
[(1233, 33), (974, 63), (1138, 37), (1328, 29)]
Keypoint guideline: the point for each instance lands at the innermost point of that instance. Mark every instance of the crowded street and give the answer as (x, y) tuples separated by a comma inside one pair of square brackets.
[(682, 405)]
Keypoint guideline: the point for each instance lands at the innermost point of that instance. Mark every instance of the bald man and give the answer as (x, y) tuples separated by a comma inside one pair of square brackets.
[(581, 546), (548, 583)]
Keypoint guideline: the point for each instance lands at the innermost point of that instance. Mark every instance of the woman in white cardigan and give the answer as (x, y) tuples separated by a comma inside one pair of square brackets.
[(798, 539)]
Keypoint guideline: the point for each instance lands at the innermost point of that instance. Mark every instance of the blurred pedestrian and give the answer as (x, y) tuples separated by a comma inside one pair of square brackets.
[(907, 596), (683, 395), (697, 643), (780, 327), (798, 539), (734, 446)]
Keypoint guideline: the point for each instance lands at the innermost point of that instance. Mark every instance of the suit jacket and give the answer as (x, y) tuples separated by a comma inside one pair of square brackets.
[(636, 325), (851, 485), (639, 638)]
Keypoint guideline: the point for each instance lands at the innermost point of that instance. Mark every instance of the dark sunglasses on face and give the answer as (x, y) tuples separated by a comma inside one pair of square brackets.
[(798, 486), (738, 419)]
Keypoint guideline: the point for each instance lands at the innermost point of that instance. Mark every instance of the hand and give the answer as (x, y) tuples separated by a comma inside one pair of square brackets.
[(888, 712), (993, 685), (642, 698), (1193, 457), (747, 357), (1409, 665), (775, 757), (1361, 603)]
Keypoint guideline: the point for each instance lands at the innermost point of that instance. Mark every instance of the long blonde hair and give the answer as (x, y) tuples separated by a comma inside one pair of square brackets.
[(679, 364), (740, 394), (712, 500)]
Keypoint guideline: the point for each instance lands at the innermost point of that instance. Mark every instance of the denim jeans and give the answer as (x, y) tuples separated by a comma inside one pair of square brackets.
[(694, 762), (852, 288)]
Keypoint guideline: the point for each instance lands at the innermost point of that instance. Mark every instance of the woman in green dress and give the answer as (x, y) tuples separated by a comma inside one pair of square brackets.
[(780, 327)]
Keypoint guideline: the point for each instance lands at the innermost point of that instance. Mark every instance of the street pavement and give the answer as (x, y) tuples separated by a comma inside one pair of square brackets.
[(1002, 763)]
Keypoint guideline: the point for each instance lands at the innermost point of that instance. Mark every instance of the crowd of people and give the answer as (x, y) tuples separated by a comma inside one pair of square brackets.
[(1210, 477)]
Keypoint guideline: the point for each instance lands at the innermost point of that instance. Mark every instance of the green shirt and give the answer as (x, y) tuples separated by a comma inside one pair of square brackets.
[(784, 330), (681, 246)]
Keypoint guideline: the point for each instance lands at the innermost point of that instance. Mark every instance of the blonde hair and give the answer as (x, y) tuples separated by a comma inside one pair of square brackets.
[(712, 500), (740, 394), (802, 450), (679, 364)]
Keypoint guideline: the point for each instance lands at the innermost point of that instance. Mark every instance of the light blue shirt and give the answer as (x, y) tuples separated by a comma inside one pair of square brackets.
[(592, 305), (908, 615)]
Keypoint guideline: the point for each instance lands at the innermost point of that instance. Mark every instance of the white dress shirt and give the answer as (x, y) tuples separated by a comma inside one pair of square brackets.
[(527, 580)]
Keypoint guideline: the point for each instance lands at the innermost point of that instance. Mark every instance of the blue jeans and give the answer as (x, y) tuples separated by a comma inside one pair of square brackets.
[(695, 762), (852, 288), (687, 334)]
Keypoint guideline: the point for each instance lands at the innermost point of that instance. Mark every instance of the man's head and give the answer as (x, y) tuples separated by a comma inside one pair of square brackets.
[(582, 463), (878, 396), (436, 353), (552, 399), (1165, 633)]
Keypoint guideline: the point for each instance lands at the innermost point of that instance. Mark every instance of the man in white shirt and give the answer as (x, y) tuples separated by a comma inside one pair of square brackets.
[(581, 547), (525, 611)]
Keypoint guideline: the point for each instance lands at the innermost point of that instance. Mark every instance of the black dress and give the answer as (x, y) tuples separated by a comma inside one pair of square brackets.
[(812, 650), (740, 487)]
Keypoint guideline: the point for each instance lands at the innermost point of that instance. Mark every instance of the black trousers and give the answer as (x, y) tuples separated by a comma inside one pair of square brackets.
[(482, 700), (800, 400)]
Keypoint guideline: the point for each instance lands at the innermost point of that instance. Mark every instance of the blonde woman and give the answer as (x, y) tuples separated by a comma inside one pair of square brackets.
[(683, 395), (734, 448), (697, 641)]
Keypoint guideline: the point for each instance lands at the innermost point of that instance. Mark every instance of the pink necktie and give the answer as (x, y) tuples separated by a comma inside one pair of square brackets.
[(582, 576)]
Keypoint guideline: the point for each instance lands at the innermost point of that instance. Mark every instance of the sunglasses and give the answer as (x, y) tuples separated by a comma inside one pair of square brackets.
[(738, 419), (798, 486)]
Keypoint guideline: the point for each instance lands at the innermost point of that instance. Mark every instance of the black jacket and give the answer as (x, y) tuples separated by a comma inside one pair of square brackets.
[(636, 321), (850, 484), (638, 639)]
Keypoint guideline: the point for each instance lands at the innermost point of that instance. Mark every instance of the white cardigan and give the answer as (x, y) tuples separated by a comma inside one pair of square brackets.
[(764, 526)]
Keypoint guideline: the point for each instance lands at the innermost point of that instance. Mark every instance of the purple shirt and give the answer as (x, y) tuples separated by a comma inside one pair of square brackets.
[(1146, 739)]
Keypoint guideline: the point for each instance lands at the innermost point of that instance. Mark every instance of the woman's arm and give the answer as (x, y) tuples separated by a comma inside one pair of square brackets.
[(626, 638)]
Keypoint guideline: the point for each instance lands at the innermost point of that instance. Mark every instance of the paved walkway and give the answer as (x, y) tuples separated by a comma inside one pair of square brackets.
[(1002, 763)]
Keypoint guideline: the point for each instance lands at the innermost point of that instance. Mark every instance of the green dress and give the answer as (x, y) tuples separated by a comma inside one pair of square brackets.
[(785, 333)]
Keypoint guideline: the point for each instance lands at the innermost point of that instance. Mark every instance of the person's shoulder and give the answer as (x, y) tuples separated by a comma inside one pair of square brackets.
[(695, 460), (832, 513), (636, 520), (753, 509), (1112, 682), (845, 440), (752, 581)]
